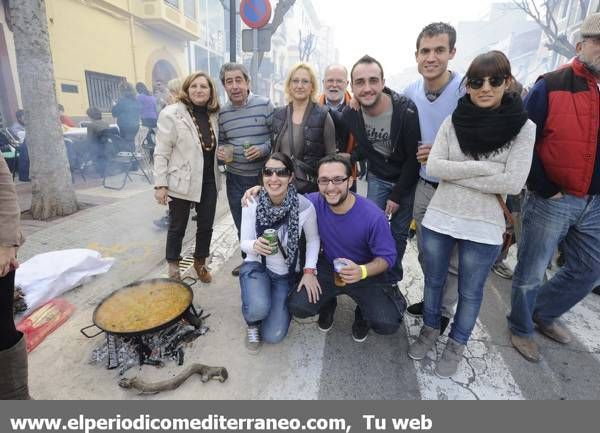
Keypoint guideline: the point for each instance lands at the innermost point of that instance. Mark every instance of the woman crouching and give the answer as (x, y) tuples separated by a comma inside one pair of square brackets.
[(481, 152), (271, 229)]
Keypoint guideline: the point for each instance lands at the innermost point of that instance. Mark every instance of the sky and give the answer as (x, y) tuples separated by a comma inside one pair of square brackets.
[(387, 29)]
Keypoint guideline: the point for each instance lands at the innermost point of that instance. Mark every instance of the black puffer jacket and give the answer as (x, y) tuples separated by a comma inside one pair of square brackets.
[(402, 166)]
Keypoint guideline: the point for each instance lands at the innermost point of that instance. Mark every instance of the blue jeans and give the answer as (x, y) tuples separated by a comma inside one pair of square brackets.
[(236, 187), (474, 263), (575, 222), (264, 296), (378, 191)]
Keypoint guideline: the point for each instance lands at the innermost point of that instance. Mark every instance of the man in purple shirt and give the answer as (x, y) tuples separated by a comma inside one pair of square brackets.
[(356, 231)]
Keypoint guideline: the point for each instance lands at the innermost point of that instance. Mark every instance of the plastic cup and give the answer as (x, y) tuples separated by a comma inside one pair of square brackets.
[(338, 264), (228, 153)]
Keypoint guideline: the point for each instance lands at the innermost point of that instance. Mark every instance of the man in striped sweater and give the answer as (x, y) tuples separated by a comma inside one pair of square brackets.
[(245, 123)]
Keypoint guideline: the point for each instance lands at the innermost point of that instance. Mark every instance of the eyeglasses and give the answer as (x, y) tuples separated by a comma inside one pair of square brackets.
[(324, 181), (279, 172), (304, 82), (477, 83)]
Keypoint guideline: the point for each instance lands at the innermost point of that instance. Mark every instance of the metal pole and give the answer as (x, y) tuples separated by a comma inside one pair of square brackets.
[(254, 72), (232, 29)]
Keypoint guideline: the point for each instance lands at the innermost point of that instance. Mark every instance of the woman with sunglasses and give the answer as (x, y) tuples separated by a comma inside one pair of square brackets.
[(482, 151), (185, 166), (269, 271), (303, 129)]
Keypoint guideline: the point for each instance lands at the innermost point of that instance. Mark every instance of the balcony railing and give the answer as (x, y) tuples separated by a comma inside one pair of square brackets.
[(168, 16)]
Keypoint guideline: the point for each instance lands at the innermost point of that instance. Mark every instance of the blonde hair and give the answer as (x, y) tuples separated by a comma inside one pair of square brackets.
[(313, 79), (212, 106), (174, 86)]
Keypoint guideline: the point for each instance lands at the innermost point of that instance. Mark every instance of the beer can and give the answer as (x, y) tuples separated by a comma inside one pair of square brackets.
[(271, 236)]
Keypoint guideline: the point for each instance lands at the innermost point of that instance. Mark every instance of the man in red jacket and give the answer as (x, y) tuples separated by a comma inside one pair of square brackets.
[(564, 200)]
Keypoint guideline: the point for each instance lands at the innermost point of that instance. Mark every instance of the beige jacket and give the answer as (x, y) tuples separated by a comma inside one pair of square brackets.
[(178, 156), (10, 214)]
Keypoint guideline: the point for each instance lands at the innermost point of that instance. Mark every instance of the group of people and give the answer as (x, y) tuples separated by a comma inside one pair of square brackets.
[(446, 151)]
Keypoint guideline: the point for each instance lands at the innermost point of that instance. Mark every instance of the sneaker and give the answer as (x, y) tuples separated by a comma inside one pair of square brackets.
[(162, 223), (326, 314), (502, 270), (415, 310), (526, 347), (554, 331), (236, 271), (360, 327), (423, 343), (253, 342), (451, 357), (596, 290)]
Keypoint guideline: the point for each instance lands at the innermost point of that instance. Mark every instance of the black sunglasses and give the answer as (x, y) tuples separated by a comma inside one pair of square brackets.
[(477, 83), (279, 172)]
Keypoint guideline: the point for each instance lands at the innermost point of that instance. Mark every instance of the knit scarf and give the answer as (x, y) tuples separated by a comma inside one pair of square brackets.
[(482, 132), (273, 217)]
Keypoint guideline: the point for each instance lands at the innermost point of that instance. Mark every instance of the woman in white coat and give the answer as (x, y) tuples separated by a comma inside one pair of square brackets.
[(185, 168)]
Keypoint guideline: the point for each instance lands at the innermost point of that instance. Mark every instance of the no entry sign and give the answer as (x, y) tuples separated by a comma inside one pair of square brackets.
[(255, 13)]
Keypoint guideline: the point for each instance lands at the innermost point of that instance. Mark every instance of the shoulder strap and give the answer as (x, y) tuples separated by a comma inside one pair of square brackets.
[(507, 213)]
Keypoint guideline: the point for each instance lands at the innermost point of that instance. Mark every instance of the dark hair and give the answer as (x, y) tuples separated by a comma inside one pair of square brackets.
[(366, 59), (19, 114), (283, 158), (230, 67), (141, 88), (126, 90), (434, 29), (61, 107), (491, 64), (94, 113), (329, 159)]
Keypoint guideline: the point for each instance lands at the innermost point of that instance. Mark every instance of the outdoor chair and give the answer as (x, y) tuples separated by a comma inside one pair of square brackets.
[(121, 157)]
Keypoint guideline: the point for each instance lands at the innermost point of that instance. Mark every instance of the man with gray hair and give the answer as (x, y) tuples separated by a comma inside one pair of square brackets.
[(244, 124), (563, 205)]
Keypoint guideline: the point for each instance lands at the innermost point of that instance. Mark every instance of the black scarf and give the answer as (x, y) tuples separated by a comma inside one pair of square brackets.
[(482, 132), (273, 217)]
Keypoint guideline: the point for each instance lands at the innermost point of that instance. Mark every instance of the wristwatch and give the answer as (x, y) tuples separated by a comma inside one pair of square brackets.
[(310, 271)]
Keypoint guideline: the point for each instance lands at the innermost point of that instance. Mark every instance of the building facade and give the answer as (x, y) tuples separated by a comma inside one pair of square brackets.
[(98, 44)]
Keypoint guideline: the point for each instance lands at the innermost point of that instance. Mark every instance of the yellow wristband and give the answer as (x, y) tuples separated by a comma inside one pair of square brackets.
[(363, 272)]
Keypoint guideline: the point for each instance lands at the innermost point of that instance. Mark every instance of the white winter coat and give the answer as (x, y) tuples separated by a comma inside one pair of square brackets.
[(178, 156)]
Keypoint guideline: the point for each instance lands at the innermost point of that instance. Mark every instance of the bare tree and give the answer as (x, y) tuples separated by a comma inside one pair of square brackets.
[(306, 45), (280, 10), (53, 193), (557, 41)]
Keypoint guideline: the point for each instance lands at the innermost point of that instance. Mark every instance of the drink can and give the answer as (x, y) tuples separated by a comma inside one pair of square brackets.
[(271, 236)]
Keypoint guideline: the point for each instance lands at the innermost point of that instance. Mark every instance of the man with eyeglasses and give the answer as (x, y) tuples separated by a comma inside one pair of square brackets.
[(386, 128), (563, 204), (335, 97), (435, 93), (354, 230), (244, 123)]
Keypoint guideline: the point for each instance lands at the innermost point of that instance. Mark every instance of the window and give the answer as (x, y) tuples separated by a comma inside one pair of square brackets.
[(189, 9), (174, 3), (103, 89)]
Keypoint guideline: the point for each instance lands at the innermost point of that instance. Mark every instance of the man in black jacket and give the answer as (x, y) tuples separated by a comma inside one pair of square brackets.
[(386, 128)]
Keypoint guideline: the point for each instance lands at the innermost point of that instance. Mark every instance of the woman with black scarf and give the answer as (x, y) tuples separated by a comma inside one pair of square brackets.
[(482, 152), (270, 269), (185, 166)]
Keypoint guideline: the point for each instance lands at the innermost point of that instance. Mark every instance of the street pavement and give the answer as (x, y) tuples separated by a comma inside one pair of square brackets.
[(308, 364)]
